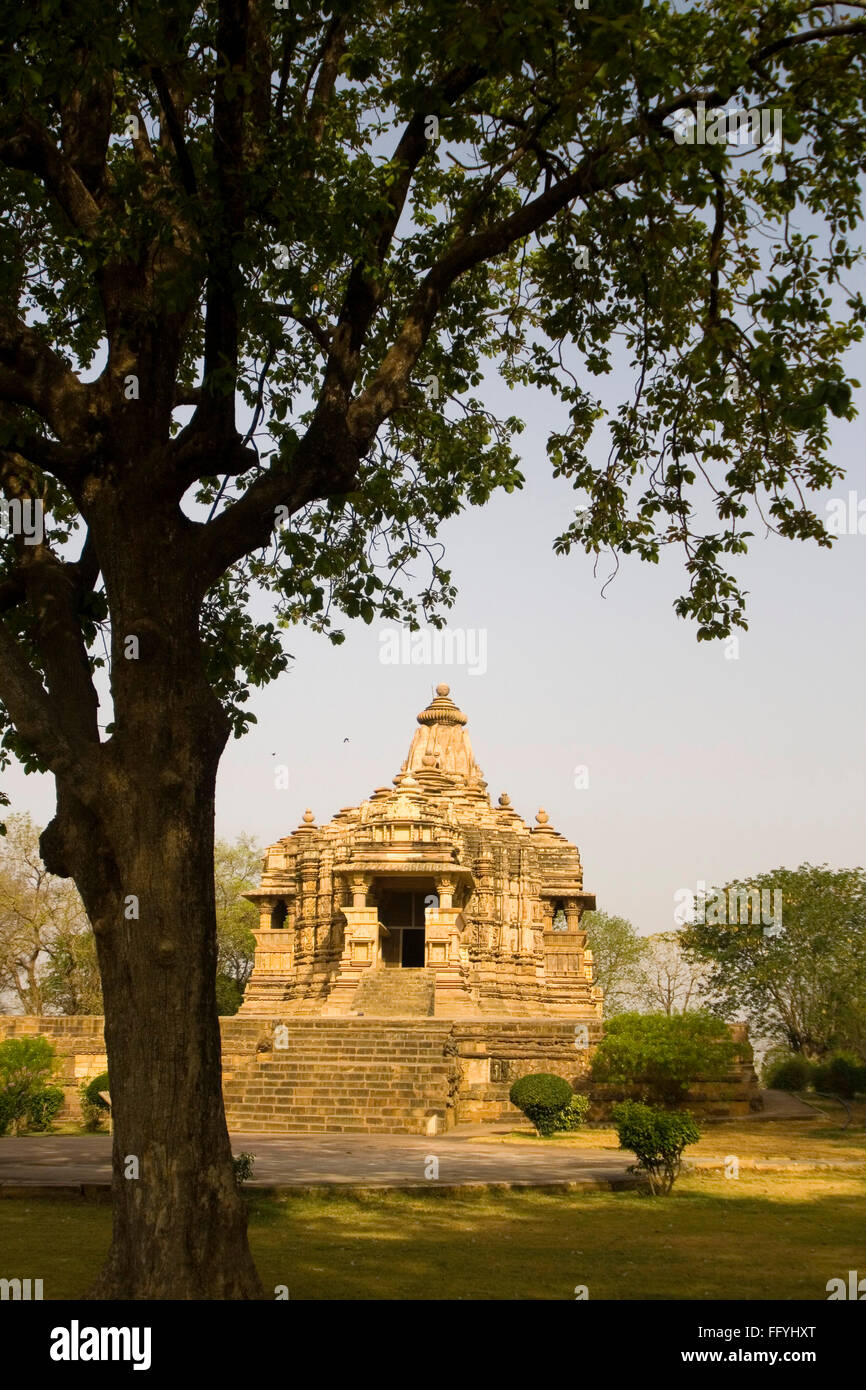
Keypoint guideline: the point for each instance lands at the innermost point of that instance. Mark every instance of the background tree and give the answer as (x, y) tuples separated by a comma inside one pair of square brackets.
[(253, 261), (71, 984), (46, 962), (669, 980), (237, 867), (617, 953), (805, 987)]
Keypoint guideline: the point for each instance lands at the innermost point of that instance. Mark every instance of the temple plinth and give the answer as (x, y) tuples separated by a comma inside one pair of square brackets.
[(424, 899)]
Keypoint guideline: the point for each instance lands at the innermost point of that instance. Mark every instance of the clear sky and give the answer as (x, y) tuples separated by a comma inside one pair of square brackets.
[(699, 766)]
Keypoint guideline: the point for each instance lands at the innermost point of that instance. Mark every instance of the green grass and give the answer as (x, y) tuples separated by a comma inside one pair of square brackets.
[(817, 1140), (754, 1238)]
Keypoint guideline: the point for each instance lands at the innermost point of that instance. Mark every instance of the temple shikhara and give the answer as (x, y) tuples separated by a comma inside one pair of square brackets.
[(424, 900)]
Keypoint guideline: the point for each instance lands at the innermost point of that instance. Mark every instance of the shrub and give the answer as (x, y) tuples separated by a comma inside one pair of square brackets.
[(92, 1116), (11, 1110), (92, 1089), (244, 1165), (788, 1074), (656, 1138), (42, 1107), (841, 1074), (542, 1097), (573, 1116), (661, 1055), (25, 1065)]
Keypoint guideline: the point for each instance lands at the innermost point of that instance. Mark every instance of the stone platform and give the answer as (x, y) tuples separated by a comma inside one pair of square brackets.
[(387, 1075)]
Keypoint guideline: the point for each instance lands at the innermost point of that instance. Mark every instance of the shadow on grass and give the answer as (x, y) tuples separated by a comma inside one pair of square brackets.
[(756, 1238)]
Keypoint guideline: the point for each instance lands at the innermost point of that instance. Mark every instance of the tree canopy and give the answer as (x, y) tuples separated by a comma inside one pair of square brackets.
[(328, 223), (803, 986)]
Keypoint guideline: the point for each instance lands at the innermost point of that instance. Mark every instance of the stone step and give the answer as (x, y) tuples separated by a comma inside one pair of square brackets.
[(345, 1077), (395, 991)]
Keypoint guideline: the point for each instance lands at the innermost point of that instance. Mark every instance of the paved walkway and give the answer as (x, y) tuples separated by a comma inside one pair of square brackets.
[(351, 1160)]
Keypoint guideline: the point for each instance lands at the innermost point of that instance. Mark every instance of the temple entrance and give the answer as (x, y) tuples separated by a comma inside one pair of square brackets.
[(402, 913), (412, 951)]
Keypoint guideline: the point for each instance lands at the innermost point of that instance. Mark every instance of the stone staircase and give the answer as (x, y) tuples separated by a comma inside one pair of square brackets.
[(392, 993), (347, 1076)]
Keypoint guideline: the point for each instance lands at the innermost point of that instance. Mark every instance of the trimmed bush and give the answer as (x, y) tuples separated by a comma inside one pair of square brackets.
[(661, 1056), (656, 1138), (92, 1089), (842, 1074), (573, 1116), (92, 1116), (788, 1074), (542, 1097), (42, 1108)]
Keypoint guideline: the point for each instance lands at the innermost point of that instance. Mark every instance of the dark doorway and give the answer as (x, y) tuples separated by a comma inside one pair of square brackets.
[(402, 911), (413, 949)]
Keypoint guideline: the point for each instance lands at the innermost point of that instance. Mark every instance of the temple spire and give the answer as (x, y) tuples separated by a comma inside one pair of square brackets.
[(441, 744)]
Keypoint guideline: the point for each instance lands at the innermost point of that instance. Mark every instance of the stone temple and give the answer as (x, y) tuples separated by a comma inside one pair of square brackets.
[(424, 901), (414, 957)]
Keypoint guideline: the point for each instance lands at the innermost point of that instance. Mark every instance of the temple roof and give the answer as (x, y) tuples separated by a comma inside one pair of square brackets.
[(441, 744), (436, 816)]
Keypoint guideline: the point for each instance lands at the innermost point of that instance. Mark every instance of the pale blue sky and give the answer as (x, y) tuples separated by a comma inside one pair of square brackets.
[(700, 767)]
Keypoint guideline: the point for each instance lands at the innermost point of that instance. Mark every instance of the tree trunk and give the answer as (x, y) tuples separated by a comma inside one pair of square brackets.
[(141, 852)]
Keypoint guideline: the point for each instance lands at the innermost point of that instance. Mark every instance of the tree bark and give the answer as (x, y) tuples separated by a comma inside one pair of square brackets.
[(141, 851), (179, 1222)]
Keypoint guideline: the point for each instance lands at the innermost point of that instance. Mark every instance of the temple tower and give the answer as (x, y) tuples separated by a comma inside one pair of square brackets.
[(426, 899)]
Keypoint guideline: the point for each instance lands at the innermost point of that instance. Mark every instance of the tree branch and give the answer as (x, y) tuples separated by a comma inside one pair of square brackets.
[(368, 411), (33, 150), (33, 374)]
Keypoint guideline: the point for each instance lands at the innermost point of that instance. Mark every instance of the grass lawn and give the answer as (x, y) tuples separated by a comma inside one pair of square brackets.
[(756, 1238), (802, 1141)]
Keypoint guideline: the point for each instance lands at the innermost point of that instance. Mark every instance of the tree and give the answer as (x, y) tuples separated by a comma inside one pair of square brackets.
[(657, 1139), (72, 984), (254, 261), (668, 979), (43, 928), (800, 982), (662, 1055), (236, 868), (617, 953)]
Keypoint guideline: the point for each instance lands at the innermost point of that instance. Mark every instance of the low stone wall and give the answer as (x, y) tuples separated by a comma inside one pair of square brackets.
[(80, 1046), (488, 1055), (492, 1055)]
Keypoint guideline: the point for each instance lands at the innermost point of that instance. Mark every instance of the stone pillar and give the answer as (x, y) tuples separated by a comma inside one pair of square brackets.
[(361, 946), (266, 908), (359, 885), (445, 891)]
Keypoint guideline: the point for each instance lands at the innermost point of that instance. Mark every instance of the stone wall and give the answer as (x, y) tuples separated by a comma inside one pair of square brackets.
[(485, 1056), (80, 1046)]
